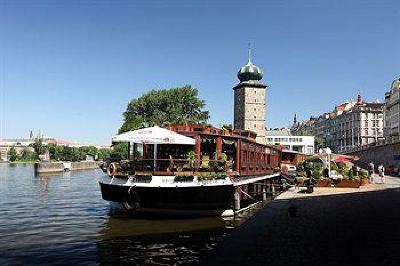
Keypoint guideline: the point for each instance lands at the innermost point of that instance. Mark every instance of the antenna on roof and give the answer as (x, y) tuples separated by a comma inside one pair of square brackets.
[(249, 52)]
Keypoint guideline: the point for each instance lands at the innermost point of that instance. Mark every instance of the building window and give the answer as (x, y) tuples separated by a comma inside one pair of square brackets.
[(255, 125), (255, 117)]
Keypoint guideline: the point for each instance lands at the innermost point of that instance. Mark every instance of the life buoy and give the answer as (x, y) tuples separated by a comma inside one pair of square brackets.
[(133, 200), (112, 169)]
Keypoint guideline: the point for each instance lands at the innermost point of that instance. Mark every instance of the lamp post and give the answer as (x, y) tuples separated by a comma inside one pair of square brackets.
[(328, 152)]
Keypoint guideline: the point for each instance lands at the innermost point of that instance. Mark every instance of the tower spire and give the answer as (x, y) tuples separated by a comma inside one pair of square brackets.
[(249, 52)]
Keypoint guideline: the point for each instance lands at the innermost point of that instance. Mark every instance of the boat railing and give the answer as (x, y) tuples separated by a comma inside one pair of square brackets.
[(178, 167), (186, 167)]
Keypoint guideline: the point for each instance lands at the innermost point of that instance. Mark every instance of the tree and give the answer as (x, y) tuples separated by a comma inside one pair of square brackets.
[(227, 126), (39, 147), (56, 152), (70, 154), (120, 151), (103, 153), (164, 107), (12, 154), (28, 155), (319, 142)]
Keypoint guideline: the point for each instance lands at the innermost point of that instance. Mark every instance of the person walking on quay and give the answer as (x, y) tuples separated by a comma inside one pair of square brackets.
[(381, 171), (371, 169)]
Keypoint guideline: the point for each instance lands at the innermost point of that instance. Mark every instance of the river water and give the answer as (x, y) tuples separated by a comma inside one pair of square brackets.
[(62, 219)]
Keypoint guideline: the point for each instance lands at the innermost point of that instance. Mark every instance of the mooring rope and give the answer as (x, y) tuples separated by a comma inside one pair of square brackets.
[(248, 195)]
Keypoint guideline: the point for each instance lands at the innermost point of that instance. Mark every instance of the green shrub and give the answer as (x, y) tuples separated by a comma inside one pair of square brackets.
[(349, 174), (191, 157), (210, 176), (223, 157), (341, 165), (317, 174), (363, 174), (301, 173), (300, 167), (334, 166)]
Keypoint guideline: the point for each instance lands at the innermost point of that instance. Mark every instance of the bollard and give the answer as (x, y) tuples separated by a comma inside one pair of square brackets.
[(264, 196), (237, 200)]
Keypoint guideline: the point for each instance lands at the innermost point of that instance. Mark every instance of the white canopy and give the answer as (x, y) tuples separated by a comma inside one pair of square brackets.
[(153, 135)]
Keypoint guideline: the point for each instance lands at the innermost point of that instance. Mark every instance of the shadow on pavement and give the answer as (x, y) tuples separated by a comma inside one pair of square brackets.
[(346, 229)]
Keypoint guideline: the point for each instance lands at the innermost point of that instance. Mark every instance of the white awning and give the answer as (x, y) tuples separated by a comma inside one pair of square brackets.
[(153, 135)]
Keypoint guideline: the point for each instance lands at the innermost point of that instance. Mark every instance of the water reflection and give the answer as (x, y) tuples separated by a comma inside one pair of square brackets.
[(62, 219), (44, 180), (127, 226)]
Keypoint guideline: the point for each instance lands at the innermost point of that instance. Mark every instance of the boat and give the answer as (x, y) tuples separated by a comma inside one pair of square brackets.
[(191, 170)]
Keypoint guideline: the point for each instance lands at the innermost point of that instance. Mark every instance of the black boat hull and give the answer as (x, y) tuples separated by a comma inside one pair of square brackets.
[(190, 198)]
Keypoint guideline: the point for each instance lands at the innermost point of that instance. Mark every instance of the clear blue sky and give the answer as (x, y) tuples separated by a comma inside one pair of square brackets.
[(69, 68)]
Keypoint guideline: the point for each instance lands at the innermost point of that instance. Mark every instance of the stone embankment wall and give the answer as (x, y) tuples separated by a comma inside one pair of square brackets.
[(385, 154), (84, 165), (54, 167)]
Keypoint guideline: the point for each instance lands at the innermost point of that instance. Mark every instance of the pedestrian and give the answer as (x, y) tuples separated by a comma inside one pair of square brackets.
[(381, 171), (326, 172), (371, 169)]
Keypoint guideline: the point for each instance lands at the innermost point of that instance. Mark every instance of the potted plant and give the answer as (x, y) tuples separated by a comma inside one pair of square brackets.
[(192, 158), (363, 177), (349, 182)]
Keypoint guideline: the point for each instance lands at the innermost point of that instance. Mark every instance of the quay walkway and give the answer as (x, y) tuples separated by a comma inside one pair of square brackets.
[(332, 226)]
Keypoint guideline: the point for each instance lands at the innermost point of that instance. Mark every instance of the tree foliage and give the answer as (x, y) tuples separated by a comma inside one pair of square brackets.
[(103, 154), (28, 155), (56, 152), (120, 151), (227, 126), (12, 154), (164, 107), (39, 147)]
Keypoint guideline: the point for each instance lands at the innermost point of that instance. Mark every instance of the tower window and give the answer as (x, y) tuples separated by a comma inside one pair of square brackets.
[(255, 125), (255, 100), (255, 117), (255, 109)]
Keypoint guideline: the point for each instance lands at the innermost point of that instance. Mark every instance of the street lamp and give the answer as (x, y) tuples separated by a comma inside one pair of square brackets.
[(328, 152)]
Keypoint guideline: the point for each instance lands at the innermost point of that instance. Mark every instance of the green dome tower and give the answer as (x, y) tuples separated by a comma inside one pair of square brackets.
[(249, 100)]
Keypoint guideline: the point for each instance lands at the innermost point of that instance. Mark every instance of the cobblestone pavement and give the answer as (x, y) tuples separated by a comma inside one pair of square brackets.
[(389, 182), (359, 228)]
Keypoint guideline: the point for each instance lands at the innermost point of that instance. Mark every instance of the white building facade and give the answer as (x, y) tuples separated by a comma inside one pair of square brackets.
[(392, 112), (350, 125), (302, 144)]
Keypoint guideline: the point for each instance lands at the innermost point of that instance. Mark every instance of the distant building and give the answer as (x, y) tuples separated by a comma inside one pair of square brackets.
[(392, 112), (350, 125), (21, 144), (283, 137), (249, 101)]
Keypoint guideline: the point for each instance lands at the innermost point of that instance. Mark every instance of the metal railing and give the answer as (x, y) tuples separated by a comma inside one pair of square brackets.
[(380, 142)]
